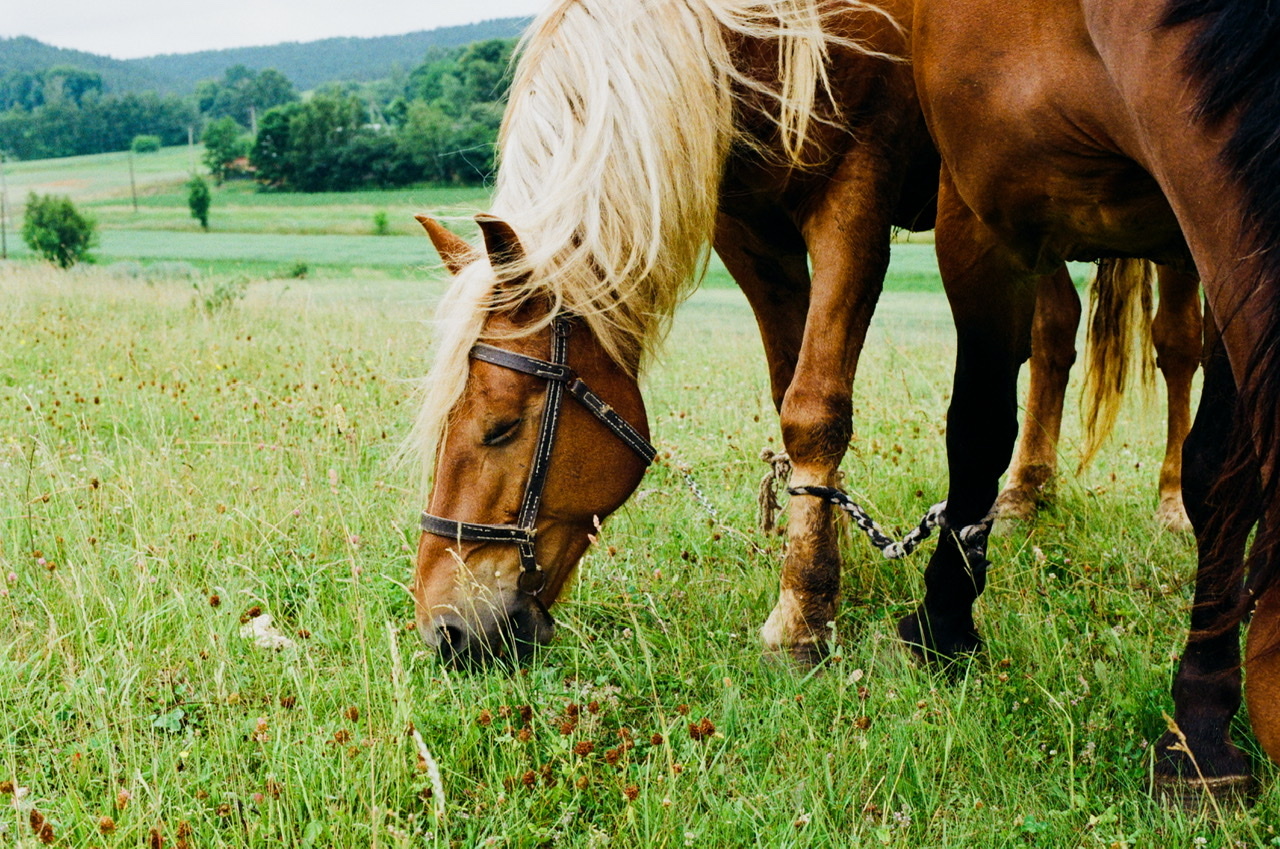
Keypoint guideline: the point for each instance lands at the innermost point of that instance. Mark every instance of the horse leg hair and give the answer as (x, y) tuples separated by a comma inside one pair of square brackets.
[(1053, 352)]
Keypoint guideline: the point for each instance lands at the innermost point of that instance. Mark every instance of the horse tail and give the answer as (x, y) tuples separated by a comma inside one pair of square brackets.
[(1119, 320)]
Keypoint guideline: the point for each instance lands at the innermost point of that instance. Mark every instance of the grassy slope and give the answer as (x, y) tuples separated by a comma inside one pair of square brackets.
[(163, 460)]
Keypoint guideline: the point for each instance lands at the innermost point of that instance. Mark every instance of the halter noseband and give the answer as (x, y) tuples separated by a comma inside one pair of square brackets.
[(560, 379)]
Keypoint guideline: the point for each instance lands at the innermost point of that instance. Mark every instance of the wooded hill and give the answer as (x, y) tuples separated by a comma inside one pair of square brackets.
[(306, 64)]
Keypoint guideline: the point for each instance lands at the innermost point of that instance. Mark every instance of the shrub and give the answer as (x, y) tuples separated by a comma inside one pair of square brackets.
[(221, 296), (198, 198), (55, 229), (297, 271), (381, 227), (145, 144)]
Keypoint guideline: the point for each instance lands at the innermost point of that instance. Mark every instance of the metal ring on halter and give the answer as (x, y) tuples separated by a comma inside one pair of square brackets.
[(560, 379)]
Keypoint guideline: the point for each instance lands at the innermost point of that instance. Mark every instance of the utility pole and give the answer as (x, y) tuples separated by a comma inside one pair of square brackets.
[(133, 185), (4, 212)]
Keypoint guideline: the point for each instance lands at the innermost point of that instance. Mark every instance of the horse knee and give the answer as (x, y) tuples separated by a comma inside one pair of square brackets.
[(816, 427)]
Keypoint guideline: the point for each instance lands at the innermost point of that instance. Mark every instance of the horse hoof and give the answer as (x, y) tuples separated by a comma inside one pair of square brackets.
[(1192, 795), (1173, 516), (1018, 504), (801, 658), (947, 653)]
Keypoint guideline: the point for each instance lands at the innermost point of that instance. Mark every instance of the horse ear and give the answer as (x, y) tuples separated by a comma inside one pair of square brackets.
[(500, 241), (454, 252)]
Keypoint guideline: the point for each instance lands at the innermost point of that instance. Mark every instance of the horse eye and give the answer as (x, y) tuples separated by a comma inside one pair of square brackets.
[(502, 432)]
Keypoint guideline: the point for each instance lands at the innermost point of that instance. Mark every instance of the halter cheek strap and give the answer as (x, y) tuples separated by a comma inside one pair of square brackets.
[(560, 379)]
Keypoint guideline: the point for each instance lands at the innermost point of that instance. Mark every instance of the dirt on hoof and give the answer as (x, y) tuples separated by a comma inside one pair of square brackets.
[(1195, 795)]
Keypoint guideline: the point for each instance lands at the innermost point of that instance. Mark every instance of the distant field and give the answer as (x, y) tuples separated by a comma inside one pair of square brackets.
[(104, 176)]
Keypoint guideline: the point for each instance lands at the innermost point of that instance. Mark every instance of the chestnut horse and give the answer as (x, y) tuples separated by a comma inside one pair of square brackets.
[(786, 132), (1078, 129), (1175, 333)]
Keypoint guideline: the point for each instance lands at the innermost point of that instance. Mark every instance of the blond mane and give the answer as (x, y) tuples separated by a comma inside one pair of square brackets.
[(620, 120)]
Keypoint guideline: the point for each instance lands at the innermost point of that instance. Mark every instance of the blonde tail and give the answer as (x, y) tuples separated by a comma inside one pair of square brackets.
[(1119, 318)]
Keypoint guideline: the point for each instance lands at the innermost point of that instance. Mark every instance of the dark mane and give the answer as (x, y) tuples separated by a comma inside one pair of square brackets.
[(1233, 62)]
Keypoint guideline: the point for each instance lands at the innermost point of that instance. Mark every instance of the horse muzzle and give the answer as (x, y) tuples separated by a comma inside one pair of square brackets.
[(510, 636)]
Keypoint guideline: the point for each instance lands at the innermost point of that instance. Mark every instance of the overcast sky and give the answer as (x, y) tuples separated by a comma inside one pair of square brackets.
[(127, 29)]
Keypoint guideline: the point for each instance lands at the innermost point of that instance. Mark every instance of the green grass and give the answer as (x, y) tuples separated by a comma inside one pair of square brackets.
[(163, 471)]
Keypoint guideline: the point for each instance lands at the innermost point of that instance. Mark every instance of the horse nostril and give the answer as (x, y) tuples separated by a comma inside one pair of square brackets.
[(453, 643)]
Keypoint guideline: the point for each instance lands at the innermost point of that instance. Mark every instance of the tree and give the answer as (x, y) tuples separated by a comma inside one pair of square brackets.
[(55, 229), (223, 145), (199, 199), (244, 94), (146, 144)]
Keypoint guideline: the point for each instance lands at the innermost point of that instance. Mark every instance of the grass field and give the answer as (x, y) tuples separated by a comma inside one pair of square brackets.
[(166, 470)]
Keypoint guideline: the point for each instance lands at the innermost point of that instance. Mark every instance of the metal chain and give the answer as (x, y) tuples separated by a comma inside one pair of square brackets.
[(972, 538)]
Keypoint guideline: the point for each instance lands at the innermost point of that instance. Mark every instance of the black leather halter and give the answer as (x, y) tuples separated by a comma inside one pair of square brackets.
[(560, 379)]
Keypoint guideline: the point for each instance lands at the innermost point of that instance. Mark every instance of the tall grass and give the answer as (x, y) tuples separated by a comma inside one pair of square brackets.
[(167, 471)]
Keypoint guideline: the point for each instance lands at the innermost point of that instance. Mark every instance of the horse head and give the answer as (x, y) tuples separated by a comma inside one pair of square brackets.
[(537, 450)]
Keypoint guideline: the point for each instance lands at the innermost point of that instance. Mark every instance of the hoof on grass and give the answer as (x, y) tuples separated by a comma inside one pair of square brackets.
[(946, 648), (1172, 515), (802, 657), (1194, 795), (1020, 503)]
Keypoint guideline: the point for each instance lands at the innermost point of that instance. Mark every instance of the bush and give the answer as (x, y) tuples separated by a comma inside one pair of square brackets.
[(381, 226), (222, 296), (146, 144), (198, 198), (55, 229)]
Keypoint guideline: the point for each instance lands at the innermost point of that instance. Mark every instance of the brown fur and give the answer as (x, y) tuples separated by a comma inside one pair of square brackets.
[(1076, 129)]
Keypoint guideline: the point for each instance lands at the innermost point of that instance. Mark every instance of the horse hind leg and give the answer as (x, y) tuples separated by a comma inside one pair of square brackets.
[(1177, 333), (1262, 672), (1053, 352), (1199, 759)]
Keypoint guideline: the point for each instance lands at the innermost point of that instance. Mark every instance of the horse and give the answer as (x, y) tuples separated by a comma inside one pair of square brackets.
[(1079, 129), (1175, 333), (783, 133)]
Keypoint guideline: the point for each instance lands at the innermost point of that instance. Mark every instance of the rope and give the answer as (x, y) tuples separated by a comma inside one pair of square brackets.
[(972, 538), (767, 501)]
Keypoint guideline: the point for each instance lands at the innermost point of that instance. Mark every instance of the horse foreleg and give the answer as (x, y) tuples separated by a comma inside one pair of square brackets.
[(848, 241), (993, 303), (1177, 332), (1199, 756), (1053, 352)]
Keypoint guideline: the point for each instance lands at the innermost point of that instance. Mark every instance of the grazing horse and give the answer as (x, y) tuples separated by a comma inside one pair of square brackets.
[(1079, 129), (1176, 335), (787, 133)]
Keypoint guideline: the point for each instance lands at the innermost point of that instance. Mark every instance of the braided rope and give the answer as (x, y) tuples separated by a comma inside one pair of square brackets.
[(972, 538), (767, 505)]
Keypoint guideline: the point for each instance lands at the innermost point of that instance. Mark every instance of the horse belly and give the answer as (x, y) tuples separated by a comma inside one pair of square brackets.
[(1028, 123)]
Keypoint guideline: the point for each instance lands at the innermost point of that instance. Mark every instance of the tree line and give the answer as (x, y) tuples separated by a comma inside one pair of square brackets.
[(437, 123), (63, 111)]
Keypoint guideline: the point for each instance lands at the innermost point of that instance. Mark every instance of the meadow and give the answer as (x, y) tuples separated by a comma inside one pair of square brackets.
[(177, 458)]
